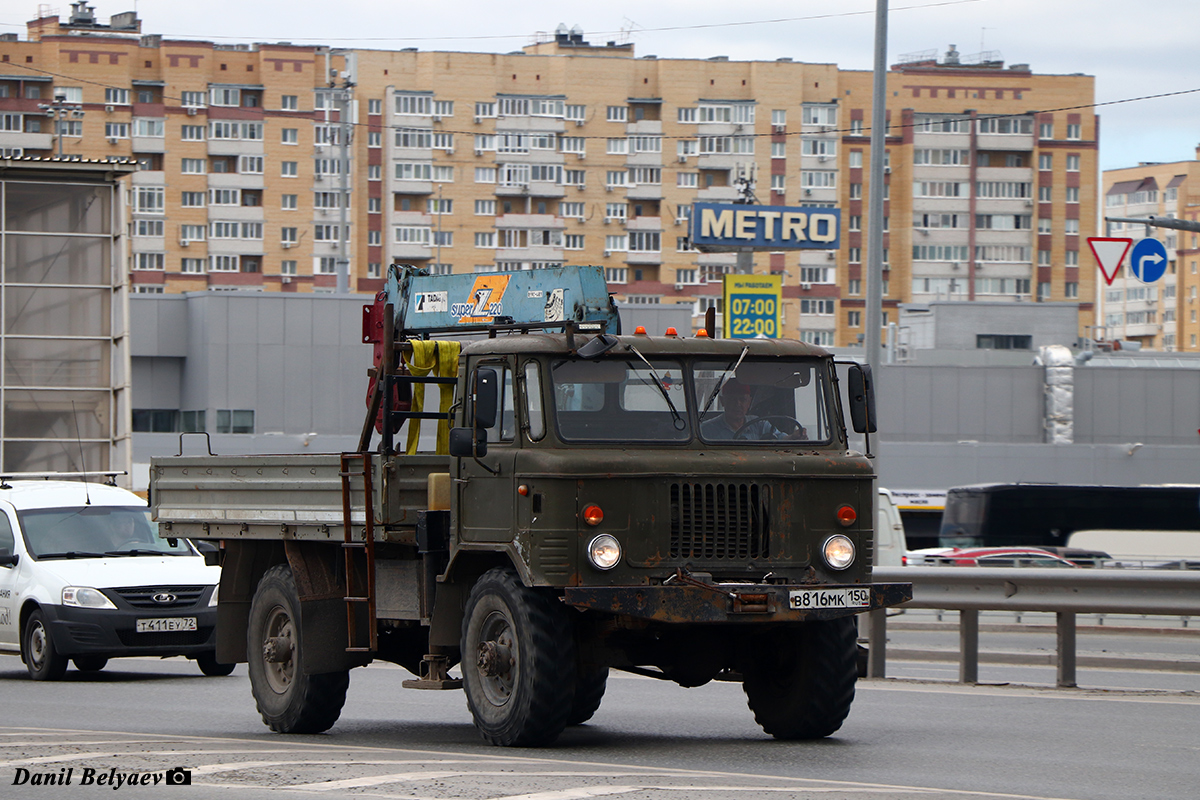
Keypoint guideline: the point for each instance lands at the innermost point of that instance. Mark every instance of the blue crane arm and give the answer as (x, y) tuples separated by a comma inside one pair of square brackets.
[(426, 304)]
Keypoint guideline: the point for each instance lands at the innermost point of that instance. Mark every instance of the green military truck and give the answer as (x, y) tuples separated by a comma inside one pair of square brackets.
[(681, 507)]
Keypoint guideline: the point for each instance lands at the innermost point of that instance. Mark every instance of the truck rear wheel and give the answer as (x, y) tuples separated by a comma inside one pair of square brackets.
[(289, 700), (799, 681), (518, 661)]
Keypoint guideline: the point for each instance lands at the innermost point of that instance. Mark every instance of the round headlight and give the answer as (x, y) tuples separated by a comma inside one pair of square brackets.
[(839, 552), (604, 552)]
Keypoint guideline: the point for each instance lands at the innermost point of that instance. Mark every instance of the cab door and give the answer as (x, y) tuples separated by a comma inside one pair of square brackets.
[(486, 502), (11, 553)]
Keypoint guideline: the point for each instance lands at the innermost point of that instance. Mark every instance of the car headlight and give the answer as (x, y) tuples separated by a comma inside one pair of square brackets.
[(604, 551), (84, 597), (838, 551), (212, 601)]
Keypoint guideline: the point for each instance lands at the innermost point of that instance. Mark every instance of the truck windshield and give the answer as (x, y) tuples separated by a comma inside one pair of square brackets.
[(762, 401), (742, 401), (93, 532), (621, 400)]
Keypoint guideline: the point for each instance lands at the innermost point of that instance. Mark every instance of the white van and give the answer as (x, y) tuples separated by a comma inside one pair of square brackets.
[(84, 577), (889, 532)]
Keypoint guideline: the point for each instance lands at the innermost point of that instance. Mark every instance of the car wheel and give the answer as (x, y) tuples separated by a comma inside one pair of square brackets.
[(89, 663), (799, 680), (288, 700), (518, 661), (37, 648), (211, 667)]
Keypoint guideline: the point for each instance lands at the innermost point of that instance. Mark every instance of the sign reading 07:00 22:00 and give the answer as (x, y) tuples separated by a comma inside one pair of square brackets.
[(752, 306)]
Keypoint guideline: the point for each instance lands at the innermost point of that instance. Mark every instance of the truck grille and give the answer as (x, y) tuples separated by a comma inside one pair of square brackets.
[(720, 520), (143, 596)]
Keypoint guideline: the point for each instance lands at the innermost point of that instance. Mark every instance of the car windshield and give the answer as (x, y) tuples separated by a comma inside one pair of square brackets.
[(738, 401), (95, 531)]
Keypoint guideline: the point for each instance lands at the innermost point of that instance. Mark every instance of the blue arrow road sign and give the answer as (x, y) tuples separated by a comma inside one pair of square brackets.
[(1148, 261)]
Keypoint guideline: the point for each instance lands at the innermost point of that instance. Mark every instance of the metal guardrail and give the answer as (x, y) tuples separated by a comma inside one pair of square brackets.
[(1065, 592)]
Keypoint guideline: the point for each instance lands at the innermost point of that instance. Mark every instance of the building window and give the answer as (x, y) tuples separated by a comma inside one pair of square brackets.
[(289, 135), (193, 166), (1073, 162), (618, 113), (116, 97), (289, 169), (1045, 162), (289, 102), (854, 319), (374, 106), (191, 266), (235, 420), (1071, 290), (149, 261), (854, 287), (148, 227), (1074, 131), (1003, 341)]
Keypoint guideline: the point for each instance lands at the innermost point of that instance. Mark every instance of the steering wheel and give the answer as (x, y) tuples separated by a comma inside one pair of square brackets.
[(795, 423)]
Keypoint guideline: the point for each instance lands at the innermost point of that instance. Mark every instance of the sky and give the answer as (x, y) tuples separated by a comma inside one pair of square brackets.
[(1133, 51)]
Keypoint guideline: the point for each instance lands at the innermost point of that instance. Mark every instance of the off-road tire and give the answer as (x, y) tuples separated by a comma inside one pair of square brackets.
[(89, 663), (288, 700), (590, 683), (208, 664), (527, 699), (799, 680), (42, 659)]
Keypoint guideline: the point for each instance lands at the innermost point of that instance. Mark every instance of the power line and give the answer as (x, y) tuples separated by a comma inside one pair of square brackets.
[(663, 29), (862, 130)]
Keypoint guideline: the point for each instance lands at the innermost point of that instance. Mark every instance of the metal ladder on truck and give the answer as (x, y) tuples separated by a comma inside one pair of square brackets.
[(359, 557)]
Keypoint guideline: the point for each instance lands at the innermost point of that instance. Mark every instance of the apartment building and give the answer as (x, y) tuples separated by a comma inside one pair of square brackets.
[(1160, 315), (565, 152)]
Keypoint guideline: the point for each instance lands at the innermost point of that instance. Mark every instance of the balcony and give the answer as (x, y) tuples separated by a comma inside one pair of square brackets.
[(409, 251), (231, 147), (26, 141)]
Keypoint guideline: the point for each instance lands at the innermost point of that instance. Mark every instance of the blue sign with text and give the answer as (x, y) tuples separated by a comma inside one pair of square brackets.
[(718, 227)]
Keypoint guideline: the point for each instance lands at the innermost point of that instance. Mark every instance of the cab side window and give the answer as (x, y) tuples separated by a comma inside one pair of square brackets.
[(505, 429), (7, 543)]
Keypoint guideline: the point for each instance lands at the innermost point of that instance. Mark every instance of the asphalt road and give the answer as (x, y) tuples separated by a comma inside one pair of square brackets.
[(649, 740)]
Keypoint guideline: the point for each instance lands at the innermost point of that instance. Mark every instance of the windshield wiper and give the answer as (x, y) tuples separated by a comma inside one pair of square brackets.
[(678, 420), (71, 554), (721, 381), (142, 551)]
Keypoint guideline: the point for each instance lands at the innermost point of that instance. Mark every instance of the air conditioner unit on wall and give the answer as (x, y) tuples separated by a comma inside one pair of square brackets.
[(191, 112), (830, 255), (682, 159), (112, 140), (805, 286), (109, 109)]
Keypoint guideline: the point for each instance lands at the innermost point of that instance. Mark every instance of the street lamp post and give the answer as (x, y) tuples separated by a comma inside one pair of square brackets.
[(59, 110)]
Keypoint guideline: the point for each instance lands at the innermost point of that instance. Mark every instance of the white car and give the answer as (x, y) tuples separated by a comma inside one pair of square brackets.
[(85, 578)]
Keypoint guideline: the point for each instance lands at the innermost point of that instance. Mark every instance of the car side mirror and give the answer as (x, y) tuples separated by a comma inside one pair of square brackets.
[(210, 551), (9, 560), (862, 398)]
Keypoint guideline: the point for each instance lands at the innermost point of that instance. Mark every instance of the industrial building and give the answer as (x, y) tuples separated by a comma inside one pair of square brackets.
[(564, 152)]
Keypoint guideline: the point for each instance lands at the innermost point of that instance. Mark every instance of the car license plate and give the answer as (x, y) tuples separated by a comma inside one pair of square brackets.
[(806, 599), (166, 625)]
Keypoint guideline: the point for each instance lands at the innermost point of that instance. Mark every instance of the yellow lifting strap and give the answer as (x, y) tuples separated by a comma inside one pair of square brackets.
[(441, 360)]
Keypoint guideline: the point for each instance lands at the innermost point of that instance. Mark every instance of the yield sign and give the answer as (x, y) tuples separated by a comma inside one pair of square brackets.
[(1109, 254)]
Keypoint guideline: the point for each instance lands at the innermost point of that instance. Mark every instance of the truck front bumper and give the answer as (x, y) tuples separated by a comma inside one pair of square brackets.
[(738, 602)]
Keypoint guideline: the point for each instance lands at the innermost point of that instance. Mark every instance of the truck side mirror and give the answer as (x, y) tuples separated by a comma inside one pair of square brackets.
[(461, 444), (862, 398), (485, 396)]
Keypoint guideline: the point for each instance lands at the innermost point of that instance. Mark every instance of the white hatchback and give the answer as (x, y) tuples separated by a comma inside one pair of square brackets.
[(85, 578)]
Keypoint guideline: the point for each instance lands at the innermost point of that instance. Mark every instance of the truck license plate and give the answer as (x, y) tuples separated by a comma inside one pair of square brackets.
[(166, 625), (806, 599)]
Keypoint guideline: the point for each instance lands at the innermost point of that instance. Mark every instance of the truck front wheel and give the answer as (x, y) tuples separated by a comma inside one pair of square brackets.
[(799, 680), (518, 661), (289, 700)]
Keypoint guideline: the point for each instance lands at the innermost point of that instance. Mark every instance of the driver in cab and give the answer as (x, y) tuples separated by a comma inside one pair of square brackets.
[(735, 421)]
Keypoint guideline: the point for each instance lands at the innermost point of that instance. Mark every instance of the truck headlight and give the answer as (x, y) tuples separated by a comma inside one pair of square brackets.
[(838, 551), (604, 551), (84, 597)]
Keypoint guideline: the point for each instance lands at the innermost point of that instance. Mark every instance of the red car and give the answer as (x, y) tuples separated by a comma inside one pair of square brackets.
[(986, 557)]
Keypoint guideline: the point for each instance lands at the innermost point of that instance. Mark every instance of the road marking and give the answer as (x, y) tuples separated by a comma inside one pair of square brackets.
[(572, 794), (371, 780), (233, 766), (1041, 693)]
